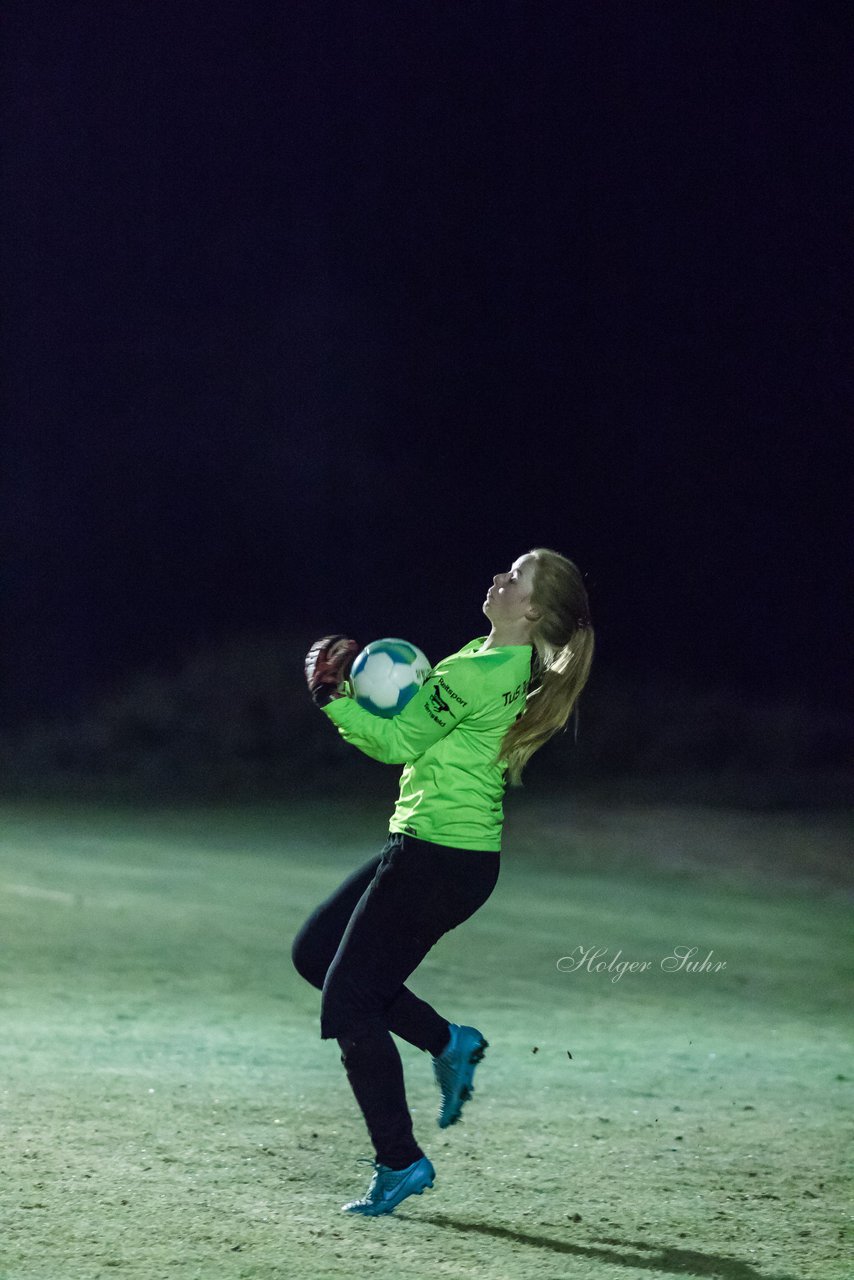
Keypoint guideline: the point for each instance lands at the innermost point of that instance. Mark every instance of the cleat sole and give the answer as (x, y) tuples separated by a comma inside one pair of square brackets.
[(464, 1090)]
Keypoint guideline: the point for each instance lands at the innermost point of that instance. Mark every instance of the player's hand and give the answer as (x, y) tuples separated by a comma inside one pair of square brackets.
[(327, 666)]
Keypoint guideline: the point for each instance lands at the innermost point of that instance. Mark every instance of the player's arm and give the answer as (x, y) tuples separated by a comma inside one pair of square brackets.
[(445, 698)]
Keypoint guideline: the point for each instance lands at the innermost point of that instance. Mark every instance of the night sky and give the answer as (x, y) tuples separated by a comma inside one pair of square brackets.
[(318, 315)]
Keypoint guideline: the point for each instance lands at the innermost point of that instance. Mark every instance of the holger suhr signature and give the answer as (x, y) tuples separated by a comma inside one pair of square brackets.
[(681, 959)]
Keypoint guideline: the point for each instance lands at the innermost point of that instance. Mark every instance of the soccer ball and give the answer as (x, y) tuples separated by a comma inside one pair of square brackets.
[(386, 674)]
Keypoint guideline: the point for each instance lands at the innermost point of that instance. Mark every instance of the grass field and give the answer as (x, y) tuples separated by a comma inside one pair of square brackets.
[(169, 1110)]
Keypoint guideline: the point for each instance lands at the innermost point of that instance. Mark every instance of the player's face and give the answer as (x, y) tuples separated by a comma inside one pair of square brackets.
[(509, 597)]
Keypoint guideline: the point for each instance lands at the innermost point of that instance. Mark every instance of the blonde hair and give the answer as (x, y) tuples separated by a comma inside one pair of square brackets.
[(563, 642)]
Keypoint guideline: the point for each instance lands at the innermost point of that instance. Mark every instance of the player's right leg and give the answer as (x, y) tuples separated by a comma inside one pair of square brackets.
[(313, 949)]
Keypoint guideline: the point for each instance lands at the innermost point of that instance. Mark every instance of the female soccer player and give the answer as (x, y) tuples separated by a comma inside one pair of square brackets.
[(479, 717)]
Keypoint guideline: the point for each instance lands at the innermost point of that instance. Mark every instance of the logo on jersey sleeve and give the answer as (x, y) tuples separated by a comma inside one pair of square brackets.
[(440, 700), (438, 703)]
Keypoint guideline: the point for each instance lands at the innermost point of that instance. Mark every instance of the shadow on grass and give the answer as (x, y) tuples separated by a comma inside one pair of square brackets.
[(654, 1258)]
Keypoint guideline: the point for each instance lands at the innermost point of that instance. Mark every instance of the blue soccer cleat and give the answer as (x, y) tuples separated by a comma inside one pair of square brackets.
[(390, 1186), (454, 1071)]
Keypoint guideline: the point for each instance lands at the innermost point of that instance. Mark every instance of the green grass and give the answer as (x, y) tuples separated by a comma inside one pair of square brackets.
[(169, 1110)]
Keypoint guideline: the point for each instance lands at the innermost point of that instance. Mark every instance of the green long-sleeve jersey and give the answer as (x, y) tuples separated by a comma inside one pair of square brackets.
[(448, 735)]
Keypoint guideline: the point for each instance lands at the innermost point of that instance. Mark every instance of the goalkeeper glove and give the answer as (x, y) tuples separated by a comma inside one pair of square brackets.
[(327, 666)]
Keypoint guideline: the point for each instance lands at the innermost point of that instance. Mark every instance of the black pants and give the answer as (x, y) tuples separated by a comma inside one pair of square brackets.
[(361, 945)]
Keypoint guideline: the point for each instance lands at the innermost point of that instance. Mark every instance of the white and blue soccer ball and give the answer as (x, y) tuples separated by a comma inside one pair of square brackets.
[(386, 674)]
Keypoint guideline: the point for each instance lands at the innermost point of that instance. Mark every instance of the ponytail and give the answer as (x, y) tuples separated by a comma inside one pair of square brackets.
[(563, 643)]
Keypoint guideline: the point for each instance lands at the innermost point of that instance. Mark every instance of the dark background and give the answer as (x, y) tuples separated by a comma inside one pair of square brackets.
[(317, 315)]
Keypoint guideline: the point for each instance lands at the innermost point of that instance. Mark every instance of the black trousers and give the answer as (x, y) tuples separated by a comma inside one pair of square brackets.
[(360, 946)]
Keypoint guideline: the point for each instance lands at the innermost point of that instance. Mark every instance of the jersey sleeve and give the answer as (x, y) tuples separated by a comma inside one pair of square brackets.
[(448, 695)]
